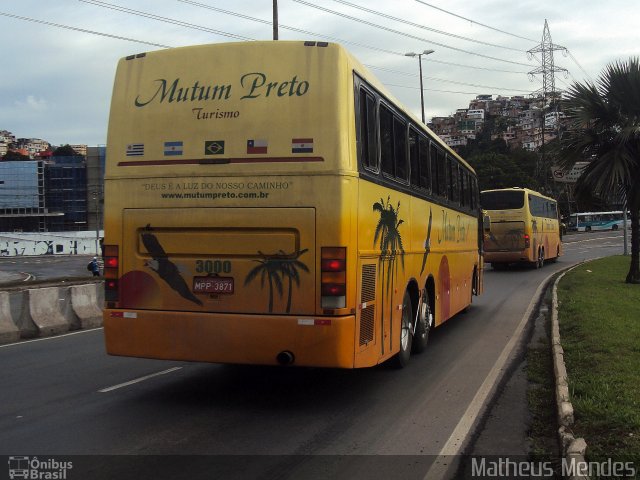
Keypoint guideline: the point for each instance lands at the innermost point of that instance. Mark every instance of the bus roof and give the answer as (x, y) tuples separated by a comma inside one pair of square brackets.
[(519, 189)]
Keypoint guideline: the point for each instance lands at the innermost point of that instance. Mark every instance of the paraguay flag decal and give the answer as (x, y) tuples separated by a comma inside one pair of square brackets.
[(302, 145)]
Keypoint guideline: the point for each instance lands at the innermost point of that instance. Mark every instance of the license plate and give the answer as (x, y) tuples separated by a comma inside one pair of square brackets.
[(212, 284)]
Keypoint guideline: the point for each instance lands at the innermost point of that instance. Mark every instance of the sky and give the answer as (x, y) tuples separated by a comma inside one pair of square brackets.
[(60, 57)]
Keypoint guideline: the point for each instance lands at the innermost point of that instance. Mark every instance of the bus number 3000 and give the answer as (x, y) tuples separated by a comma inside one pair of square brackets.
[(213, 266)]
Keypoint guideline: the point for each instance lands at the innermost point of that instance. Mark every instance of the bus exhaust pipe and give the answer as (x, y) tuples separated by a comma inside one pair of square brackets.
[(285, 358)]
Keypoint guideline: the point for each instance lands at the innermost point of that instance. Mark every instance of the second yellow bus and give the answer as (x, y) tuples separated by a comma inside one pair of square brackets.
[(524, 227)]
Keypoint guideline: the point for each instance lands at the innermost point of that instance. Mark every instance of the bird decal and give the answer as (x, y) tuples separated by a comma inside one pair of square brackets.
[(165, 268), (427, 243)]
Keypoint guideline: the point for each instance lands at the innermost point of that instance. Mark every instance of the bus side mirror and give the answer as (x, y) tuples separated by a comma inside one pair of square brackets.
[(486, 223)]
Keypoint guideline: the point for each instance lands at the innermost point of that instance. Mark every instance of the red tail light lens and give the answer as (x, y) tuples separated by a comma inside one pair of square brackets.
[(527, 241), (333, 264), (111, 273)]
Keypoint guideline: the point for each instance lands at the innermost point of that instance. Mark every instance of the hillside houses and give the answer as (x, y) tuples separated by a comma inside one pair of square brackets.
[(516, 120)]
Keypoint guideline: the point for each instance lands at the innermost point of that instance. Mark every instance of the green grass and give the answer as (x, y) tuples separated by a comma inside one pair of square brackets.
[(600, 332)]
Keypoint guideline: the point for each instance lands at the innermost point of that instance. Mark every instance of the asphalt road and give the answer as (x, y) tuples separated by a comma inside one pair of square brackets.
[(65, 396), (43, 267)]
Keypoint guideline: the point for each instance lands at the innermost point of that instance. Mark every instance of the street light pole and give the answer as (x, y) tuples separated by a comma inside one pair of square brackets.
[(419, 55), (275, 19)]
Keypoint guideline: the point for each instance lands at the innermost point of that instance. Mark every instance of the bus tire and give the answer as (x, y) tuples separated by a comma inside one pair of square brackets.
[(587, 228), (472, 292), (401, 359), (614, 227), (536, 261), (424, 322)]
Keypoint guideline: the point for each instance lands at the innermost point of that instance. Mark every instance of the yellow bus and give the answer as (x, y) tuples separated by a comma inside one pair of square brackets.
[(271, 203), (524, 227)]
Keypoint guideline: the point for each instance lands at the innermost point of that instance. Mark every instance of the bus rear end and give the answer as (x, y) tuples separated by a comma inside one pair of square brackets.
[(509, 239), (225, 223)]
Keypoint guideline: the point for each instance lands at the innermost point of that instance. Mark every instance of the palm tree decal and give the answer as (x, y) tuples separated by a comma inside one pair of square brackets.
[(427, 243), (289, 266), (387, 230), (275, 268)]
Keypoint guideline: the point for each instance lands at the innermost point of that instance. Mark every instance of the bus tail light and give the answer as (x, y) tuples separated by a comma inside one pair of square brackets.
[(333, 288), (527, 241), (111, 264)]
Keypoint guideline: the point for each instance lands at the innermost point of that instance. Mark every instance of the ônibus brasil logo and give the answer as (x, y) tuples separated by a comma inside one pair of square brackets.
[(36, 469)]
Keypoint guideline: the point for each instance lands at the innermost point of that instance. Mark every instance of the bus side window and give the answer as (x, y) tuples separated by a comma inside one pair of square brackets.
[(443, 186), (368, 153), (454, 183), (433, 153), (472, 192), (465, 197), (400, 149), (386, 140), (425, 164), (419, 160), (414, 157)]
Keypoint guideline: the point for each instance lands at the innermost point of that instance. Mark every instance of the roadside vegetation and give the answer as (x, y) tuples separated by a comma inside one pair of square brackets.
[(599, 318)]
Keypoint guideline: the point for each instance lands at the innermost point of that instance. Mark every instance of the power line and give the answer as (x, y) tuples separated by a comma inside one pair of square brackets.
[(442, 91), (329, 37), (164, 19), (125, 10), (455, 65), (579, 66), (287, 27), (474, 21), (83, 30), (407, 22), (359, 20)]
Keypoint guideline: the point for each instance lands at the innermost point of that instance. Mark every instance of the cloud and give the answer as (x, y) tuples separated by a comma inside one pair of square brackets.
[(33, 103)]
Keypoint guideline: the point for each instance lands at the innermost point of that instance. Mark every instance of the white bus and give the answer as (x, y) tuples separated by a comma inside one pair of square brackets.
[(592, 221)]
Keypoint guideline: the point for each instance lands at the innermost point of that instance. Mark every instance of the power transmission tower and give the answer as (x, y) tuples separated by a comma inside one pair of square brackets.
[(548, 91)]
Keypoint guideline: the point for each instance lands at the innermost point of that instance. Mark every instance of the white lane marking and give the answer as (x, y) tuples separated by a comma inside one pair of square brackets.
[(592, 239), (55, 337), (456, 441), (138, 380)]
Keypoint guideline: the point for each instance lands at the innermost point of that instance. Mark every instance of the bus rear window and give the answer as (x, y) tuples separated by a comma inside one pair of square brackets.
[(504, 200)]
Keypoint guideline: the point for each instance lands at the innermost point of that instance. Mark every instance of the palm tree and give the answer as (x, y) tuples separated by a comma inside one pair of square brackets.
[(388, 231), (289, 265), (605, 129), (269, 267)]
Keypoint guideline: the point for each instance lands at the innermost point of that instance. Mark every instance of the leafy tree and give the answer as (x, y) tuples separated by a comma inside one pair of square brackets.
[(65, 151), (605, 129), (12, 156), (497, 170)]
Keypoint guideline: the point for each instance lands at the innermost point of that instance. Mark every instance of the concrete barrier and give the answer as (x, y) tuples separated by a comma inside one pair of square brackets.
[(9, 332), (45, 311), (33, 312), (84, 301)]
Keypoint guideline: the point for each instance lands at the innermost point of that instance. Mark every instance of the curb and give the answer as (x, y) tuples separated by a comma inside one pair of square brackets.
[(573, 449)]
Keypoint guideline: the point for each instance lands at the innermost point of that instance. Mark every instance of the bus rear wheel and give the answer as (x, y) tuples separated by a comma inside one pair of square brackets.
[(424, 322), (401, 359)]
